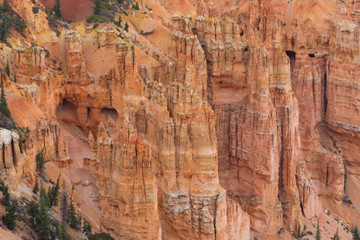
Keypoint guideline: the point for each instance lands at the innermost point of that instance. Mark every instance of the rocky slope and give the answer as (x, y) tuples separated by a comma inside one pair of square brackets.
[(206, 120)]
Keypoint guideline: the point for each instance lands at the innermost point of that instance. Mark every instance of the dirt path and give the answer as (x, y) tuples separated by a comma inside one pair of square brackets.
[(85, 193)]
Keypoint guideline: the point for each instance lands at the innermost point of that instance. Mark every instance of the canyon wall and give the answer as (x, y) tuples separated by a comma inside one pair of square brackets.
[(230, 119)]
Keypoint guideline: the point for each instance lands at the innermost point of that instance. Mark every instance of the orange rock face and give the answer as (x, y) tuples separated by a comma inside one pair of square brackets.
[(228, 120)]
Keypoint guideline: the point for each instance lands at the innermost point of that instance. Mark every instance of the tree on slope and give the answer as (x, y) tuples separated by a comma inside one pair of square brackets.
[(356, 234), (43, 219), (57, 9), (53, 193), (40, 161), (3, 103), (11, 216), (36, 187), (97, 7), (336, 235), (64, 204), (318, 234)]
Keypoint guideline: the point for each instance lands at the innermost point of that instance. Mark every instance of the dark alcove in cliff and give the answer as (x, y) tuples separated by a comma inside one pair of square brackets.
[(66, 111), (105, 112), (292, 57)]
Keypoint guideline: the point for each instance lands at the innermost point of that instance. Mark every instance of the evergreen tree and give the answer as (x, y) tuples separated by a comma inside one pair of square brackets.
[(74, 218), (64, 206), (53, 193), (11, 216), (97, 7), (6, 195), (40, 161), (356, 234), (2, 185), (336, 235), (63, 232), (43, 218), (57, 231), (6, 6), (3, 103), (36, 187), (318, 234), (136, 6), (5, 26), (301, 232), (7, 68), (57, 9), (126, 28), (119, 22), (33, 211), (87, 228), (72, 215)]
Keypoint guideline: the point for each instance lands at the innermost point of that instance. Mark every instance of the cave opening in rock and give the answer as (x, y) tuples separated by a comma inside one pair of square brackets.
[(111, 112), (88, 111), (292, 57), (194, 31), (66, 111), (311, 55)]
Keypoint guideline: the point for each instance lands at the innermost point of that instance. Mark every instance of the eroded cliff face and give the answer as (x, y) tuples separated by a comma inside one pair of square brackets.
[(230, 119)]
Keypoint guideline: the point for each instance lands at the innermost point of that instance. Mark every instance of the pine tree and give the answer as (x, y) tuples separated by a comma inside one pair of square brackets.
[(126, 28), (57, 231), (64, 206), (6, 6), (3, 103), (33, 211), (318, 234), (11, 216), (87, 228), (5, 25), (43, 219), (74, 218), (7, 68), (119, 22), (136, 6), (6, 195), (63, 232), (336, 235), (356, 234), (78, 221), (36, 187), (97, 7), (72, 215), (53, 193), (301, 232), (57, 9), (40, 161)]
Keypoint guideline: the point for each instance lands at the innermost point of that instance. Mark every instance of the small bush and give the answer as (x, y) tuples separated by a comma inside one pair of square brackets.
[(101, 236), (93, 18)]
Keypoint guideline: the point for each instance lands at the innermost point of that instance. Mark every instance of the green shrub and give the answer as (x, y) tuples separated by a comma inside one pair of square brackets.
[(101, 236), (93, 18)]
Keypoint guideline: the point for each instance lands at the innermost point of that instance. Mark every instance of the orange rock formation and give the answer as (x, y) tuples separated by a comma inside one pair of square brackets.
[(230, 119)]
